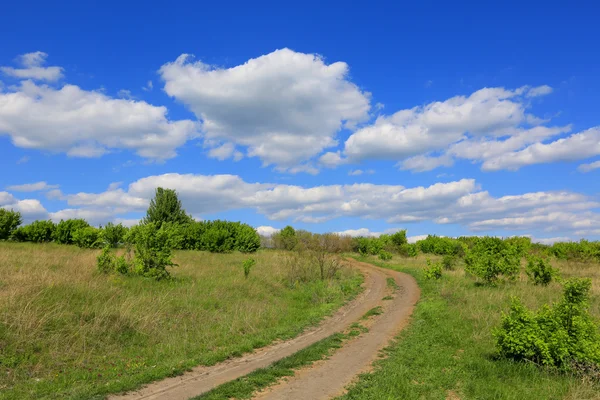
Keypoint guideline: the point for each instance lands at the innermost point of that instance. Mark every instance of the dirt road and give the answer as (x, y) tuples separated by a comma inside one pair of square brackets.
[(325, 379)]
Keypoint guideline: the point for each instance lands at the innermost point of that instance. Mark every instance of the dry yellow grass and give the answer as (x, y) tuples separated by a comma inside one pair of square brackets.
[(67, 331)]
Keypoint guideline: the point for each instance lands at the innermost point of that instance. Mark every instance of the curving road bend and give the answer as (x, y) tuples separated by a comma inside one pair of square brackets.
[(325, 379)]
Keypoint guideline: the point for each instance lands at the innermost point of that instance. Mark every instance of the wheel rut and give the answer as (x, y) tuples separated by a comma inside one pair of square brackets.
[(325, 379)]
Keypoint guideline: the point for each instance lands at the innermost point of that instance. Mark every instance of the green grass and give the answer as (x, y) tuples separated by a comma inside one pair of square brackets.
[(245, 387), (68, 332), (373, 311), (448, 352)]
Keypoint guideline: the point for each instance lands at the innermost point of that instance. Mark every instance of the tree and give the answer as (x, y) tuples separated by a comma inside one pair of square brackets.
[(286, 238), (9, 221), (166, 207)]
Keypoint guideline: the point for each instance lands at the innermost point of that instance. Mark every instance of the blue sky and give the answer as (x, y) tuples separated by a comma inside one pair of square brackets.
[(431, 117)]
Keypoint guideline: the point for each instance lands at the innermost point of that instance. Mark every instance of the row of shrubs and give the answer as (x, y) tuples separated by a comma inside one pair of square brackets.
[(214, 236)]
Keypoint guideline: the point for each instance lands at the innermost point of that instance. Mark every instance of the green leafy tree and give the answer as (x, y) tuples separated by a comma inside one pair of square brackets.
[(87, 238), (37, 232), (152, 249), (113, 235), (166, 207), (286, 238), (63, 233), (399, 238), (491, 258), (9, 221), (247, 239)]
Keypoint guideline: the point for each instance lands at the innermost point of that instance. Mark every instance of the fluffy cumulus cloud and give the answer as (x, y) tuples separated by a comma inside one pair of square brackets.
[(491, 126), (589, 167), (32, 67), (460, 202), (86, 123), (30, 209), (284, 107), (266, 231)]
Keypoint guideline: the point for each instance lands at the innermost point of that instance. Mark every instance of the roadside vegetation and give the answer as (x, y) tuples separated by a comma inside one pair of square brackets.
[(509, 320), (88, 311)]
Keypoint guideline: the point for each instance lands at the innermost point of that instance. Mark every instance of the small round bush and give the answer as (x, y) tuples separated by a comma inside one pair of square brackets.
[(540, 271), (385, 255)]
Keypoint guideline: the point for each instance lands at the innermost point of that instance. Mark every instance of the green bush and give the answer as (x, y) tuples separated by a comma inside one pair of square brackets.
[(247, 240), (86, 238), (492, 257), (441, 246), (579, 251), (166, 207), (105, 261), (247, 266), (385, 255), (37, 232), (399, 238), (64, 230), (433, 270), (540, 271), (113, 235), (369, 246), (521, 244), (121, 265), (555, 336), (152, 249), (9, 221), (449, 262), (286, 238)]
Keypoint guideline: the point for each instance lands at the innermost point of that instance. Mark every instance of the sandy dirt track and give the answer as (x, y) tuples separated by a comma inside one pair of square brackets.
[(325, 379)]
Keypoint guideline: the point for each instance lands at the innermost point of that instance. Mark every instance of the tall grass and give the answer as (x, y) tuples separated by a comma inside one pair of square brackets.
[(67, 331), (448, 350)]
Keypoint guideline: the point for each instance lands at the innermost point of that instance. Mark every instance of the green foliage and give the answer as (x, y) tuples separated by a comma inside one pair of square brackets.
[(247, 239), (37, 232), (9, 221), (521, 244), (121, 265), (105, 261), (247, 266), (399, 238), (440, 246), (166, 207), (63, 233), (369, 245), (556, 336), (385, 255), (449, 262), (152, 251), (540, 271), (112, 234), (286, 238), (580, 251), (87, 238), (433, 270), (492, 257)]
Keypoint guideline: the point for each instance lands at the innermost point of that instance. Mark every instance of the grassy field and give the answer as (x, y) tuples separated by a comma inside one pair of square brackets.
[(67, 331), (447, 352)]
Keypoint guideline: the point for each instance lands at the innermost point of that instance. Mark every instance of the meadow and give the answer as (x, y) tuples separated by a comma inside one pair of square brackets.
[(448, 351), (70, 332)]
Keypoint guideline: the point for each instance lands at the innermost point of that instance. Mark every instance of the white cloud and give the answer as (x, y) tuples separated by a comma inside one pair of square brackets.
[(88, 123), (539, 91), (433, 127), (575, 147), (30, 209), (551, 240), (459, 202), (415, 239), (358, 172), (267, 231), (589, 167), (284, 107), (426, 163), (225, 151), (331, 159), (149, 86), (32, 187), (33, 68)]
